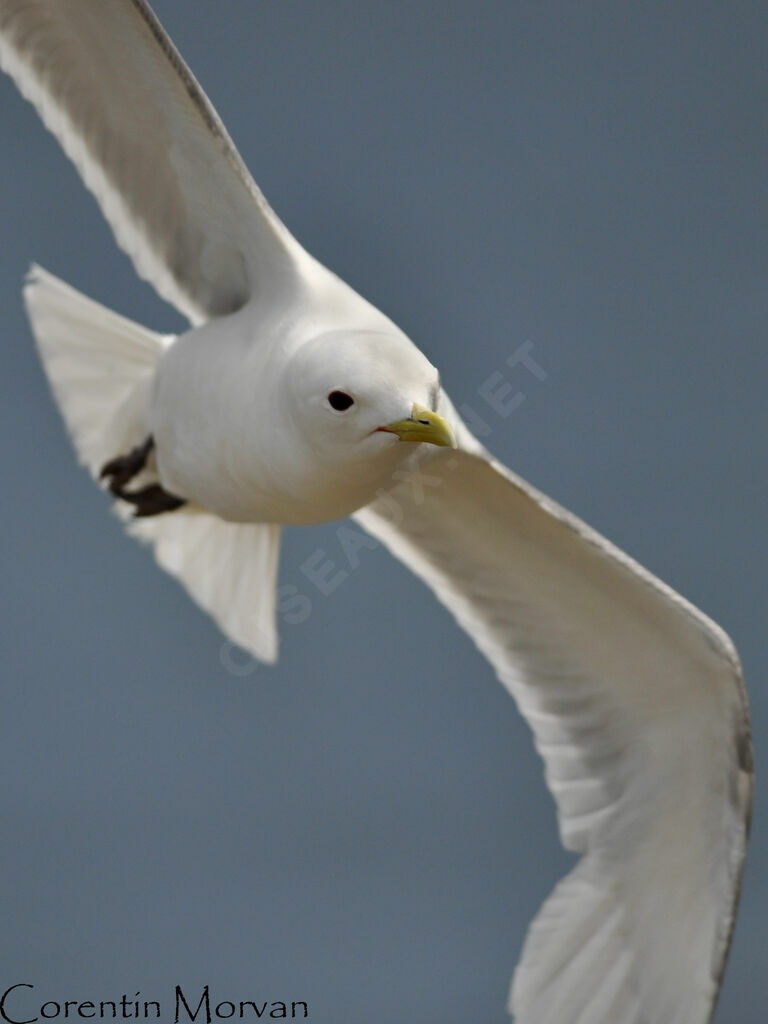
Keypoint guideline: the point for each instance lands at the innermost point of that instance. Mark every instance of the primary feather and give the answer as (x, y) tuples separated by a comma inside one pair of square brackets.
[(111, 86), (637, 707)]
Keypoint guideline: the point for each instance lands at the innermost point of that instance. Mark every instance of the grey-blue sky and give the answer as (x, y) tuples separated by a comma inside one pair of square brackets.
[(365, 826)]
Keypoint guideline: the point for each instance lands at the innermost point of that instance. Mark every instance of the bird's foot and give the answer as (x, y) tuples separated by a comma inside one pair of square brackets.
[(152, 500), (124, 468), (147, 501)]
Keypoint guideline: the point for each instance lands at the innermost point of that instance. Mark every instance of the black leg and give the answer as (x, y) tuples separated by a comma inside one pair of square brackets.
[(152, 500), (125, 467), (147, 501)]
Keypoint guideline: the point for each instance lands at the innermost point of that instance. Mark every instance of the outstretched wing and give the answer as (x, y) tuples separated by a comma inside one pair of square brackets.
[(638, 709), (109, 83)]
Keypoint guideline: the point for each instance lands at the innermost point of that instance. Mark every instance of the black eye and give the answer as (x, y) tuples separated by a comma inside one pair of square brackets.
[(340, 401)]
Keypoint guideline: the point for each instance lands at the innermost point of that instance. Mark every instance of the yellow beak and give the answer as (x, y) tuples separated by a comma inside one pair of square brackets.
[(423, 425)]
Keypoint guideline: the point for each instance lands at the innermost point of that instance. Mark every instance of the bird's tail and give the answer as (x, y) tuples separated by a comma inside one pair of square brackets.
[(101, 369), (99, 365)]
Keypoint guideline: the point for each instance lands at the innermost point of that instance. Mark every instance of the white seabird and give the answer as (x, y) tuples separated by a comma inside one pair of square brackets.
[(287, 402)]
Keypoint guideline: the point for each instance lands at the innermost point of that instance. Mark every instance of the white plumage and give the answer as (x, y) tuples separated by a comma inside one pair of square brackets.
[(634, 697)]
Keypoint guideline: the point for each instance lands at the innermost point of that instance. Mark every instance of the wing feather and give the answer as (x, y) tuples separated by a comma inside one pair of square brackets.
[(638, 709), (108, 82)]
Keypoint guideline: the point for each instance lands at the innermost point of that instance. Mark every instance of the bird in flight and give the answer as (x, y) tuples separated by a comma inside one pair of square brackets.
[(292, 400)]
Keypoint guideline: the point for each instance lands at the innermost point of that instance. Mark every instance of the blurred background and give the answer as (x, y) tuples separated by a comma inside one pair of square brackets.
[(365, 826)]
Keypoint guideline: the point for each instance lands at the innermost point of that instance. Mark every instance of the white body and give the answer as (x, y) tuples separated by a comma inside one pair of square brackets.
[(222, 418)]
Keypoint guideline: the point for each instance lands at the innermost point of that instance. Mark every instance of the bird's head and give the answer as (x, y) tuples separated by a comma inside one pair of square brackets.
[(359, 393)]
